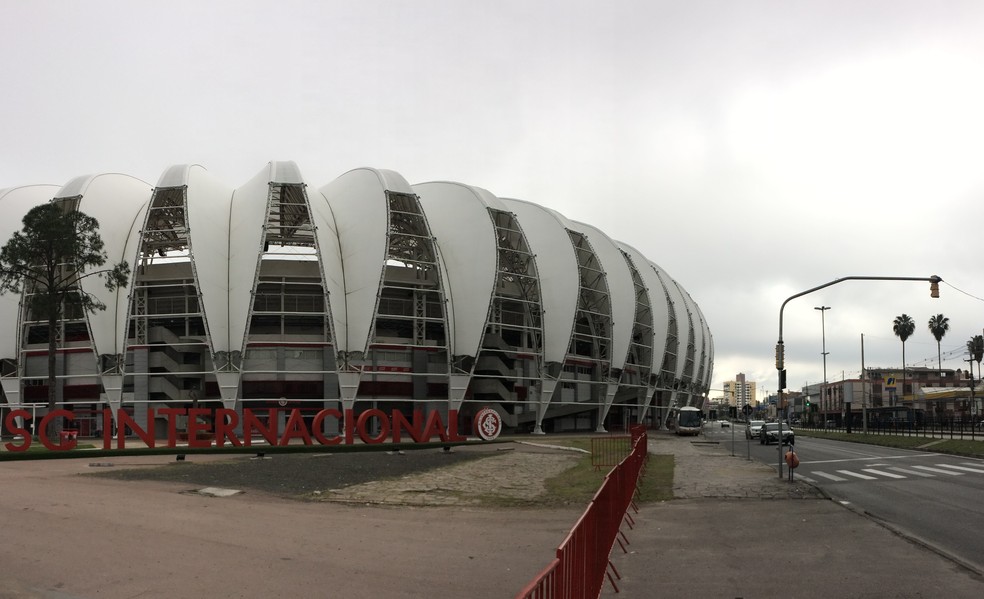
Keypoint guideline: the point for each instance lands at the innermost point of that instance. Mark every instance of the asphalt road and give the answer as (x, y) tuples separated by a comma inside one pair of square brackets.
[(930, 497)]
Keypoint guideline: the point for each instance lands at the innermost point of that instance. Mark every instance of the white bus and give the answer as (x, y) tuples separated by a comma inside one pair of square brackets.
[(689, 421)]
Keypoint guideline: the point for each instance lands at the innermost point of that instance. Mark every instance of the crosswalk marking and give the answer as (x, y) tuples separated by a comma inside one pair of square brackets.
[(939, 470), (855, 474), (978, 470), (882, 473), (911, 472)]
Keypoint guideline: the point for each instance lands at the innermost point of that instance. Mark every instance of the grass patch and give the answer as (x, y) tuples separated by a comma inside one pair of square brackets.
[(578, 484), (37, 447), (38, 451), (657, 479), (964, 447)]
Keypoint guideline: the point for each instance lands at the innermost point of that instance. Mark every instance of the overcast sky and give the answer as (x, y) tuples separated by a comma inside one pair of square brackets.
[(753, 149)]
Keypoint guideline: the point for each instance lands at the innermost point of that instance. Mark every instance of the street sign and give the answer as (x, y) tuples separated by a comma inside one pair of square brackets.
[(746, 409)]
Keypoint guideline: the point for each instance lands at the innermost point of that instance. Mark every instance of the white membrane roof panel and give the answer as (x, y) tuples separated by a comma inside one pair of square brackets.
[(459, 218), (708, 349), (621, 291), (209, 201), (247, 215), (679, 307), (657, 303), (359, 204), (698, 331), (556, 264), (331, 262), (118, 202)]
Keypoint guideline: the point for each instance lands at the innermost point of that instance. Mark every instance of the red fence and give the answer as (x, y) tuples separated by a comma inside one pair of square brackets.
[(584, 558), (609, 451)]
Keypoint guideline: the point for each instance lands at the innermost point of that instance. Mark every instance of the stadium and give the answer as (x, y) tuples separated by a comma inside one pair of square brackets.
[(367, 293)]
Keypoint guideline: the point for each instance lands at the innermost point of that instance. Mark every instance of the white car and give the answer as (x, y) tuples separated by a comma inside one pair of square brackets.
[(753, 428)]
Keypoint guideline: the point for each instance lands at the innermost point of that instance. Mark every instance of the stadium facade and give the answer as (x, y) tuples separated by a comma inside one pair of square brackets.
[(367, 292)]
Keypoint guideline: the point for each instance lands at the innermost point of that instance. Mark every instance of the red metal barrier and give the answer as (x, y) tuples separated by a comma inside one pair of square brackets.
[(609, 451), (584, 558)]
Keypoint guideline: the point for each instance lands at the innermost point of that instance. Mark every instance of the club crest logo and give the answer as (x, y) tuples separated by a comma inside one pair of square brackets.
[(488, 424)]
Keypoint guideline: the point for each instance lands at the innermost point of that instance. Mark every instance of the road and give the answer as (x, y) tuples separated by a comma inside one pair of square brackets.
[(930, 497)]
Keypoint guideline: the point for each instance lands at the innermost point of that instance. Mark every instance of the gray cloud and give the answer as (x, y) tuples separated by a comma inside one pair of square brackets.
[(753, 149)]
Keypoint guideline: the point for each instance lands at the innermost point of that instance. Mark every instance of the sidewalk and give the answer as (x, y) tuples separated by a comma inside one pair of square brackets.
[(738, 530)]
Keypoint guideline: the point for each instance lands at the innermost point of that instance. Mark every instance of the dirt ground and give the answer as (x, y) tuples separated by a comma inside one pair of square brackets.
[(140, 528)]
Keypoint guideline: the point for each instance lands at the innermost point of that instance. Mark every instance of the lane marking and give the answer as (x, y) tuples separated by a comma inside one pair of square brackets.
[(939, 470), (857, 475), (882, 473), (964, 468), (886, 457), (911, 472), (830, 476)]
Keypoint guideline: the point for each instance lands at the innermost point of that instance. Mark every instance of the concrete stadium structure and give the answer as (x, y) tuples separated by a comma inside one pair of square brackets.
[(365, 292)]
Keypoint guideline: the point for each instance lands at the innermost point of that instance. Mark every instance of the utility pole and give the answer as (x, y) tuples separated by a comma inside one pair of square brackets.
[(823, 346), (864, 390)]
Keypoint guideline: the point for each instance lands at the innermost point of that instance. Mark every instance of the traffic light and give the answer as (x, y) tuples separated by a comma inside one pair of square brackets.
[(808, 404)]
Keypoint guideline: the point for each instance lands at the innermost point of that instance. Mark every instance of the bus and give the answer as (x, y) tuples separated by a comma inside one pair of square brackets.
[(690, 421)]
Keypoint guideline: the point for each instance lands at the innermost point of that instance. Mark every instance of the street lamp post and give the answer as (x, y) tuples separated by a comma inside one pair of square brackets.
[(934, 291), (823, 341)]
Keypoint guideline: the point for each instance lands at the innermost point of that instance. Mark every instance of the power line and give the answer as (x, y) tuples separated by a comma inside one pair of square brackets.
[(963, 292)]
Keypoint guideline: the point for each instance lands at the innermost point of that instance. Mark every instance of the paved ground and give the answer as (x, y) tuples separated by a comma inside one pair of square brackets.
[(739, 531), (735, 531)]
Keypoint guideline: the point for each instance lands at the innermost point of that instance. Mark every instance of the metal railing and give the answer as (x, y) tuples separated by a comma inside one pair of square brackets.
[(929, 428), (609, 451), (583, 559)]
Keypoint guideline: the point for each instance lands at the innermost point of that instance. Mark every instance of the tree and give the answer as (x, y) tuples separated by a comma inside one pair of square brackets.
[(975, 347), (938, 326), (58, 247), (903, 326)]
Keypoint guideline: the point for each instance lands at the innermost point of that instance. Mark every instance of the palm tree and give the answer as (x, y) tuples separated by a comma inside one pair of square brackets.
[(938, 326), (975, 347), (903, 326)]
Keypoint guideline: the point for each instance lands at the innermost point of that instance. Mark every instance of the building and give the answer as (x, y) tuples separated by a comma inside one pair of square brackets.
[(787, 406), (739, 392), (363, 293), (930, 395)]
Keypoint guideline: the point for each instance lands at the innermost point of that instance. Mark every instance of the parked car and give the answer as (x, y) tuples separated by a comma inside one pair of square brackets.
[(752, 428), (771, 432)]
